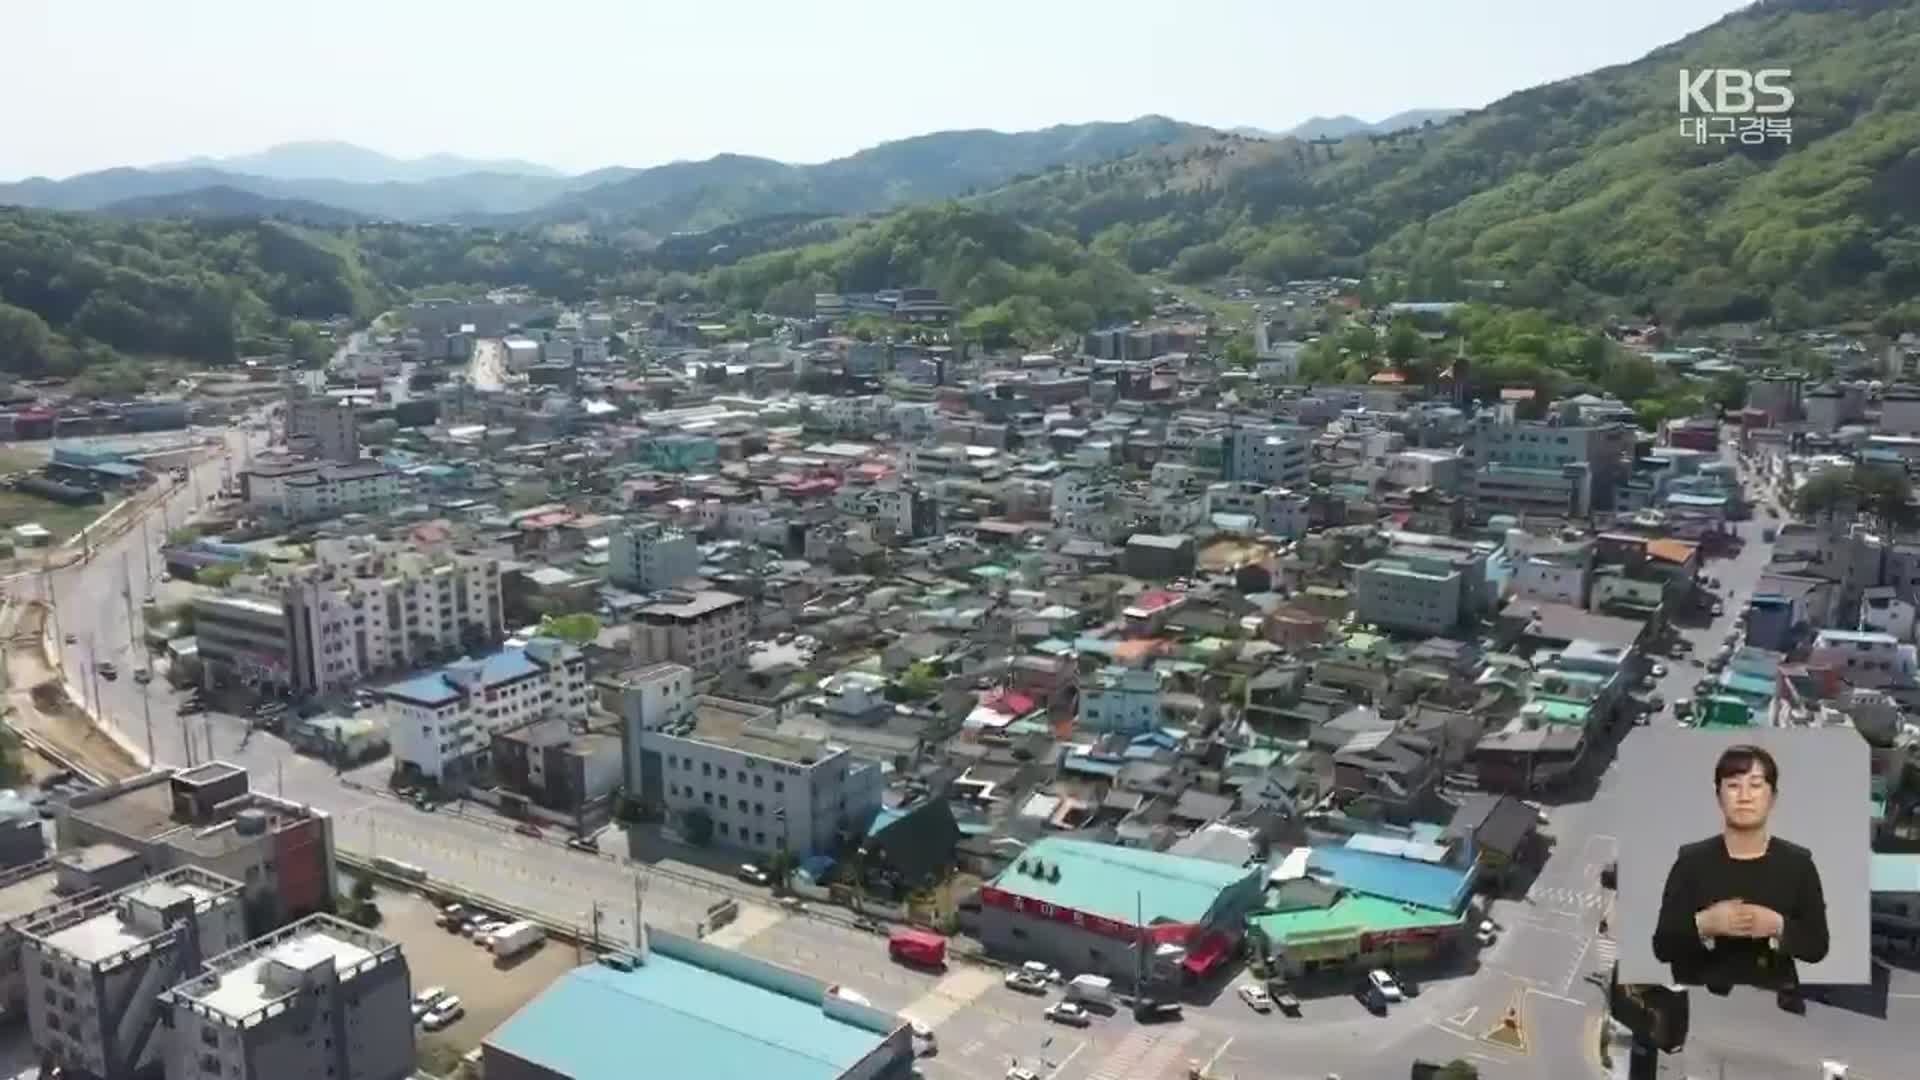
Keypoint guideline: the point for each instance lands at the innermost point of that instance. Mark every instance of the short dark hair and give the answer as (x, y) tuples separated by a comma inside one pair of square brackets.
[(1740, 760)]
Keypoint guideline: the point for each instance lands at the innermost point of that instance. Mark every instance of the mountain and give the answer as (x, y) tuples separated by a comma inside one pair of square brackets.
[(1581, 193), (220, 201), (1344, 126), (688, 196), (354, 164)]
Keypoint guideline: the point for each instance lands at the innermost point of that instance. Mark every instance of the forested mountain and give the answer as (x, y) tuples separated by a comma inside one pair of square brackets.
[(355, 164), (1581, 193), (228, 202), (643, 204), (1344, 126)]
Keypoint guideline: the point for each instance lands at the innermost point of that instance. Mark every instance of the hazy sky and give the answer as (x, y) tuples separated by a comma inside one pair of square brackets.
[(578, 84)]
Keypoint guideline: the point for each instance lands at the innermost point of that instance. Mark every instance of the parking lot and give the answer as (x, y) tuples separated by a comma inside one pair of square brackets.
[(490, 992)]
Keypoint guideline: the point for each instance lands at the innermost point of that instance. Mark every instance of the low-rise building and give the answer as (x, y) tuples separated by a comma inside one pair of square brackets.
[(243, 639), (333, 490), (705, 630), (1120, 699), (651, 555), (321, 999), (1863, 658), (442, 723), (728, 771), (1415, 594)]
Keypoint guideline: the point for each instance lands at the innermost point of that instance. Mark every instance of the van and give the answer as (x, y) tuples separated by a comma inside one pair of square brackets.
[(1090, 990)]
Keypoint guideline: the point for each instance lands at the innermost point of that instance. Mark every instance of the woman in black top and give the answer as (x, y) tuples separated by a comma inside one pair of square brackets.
[(1741, 907)]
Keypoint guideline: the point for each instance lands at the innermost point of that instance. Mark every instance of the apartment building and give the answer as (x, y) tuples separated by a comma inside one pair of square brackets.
[(208, 817), (441, 723), (1864, 658), (1412, 593), (1277, 455), (243, 640), (332, 490), (730, 767), (1778, 395), (646, 698), (96, 971), (38, 891), (1277, 511), (319, 1000), (324, 427), (907, 510), (366, 607), (705, 630), (1083, 504), (651, 555), (1548, 467)]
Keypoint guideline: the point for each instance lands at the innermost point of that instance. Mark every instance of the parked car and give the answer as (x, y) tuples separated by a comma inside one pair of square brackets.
[(1066, 1012), (527, 828), (72, 640), (1384, 982), (581, 843), (142, 676), (1659, 671), (753, 875), (1408, 987), (107, 670), (1026, 982), (1369, 995), (1157, 1012), (1485, 934), (1021, 1073), (425, 1001), (444, 1014), (1256, 997)]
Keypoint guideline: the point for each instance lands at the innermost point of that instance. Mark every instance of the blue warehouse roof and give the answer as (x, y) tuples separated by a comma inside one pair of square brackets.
[(1428, 885)]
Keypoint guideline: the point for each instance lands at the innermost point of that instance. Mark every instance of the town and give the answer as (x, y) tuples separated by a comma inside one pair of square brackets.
[(855, 700)]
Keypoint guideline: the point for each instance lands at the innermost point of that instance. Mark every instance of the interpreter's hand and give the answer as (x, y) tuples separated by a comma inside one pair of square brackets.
[(1719, 920), (1756, 921)]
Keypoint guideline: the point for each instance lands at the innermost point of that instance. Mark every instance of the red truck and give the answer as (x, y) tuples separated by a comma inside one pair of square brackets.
[(922, 948)]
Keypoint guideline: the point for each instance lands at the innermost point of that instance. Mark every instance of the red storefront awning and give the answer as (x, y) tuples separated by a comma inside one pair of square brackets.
[(1207, 953)]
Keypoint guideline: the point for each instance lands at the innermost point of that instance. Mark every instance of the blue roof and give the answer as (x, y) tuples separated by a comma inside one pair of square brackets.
[(435, 688), (1442, 888), (596, 1023), (882, 818)]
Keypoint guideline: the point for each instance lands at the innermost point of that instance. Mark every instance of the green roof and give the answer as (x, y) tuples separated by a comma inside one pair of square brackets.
[(1119, 883), (1352, 914), (1559, 710)]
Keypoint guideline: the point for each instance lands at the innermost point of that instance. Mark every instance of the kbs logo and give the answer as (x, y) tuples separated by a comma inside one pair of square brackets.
[(1723, 104)]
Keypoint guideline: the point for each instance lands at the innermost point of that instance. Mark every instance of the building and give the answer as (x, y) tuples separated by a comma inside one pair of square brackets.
[(1900, 410), (1776, 394), (646, 698), (1863, 658), (689, 1009), (1413, 593), (705, 630), (319, 1000), (728, 771), (1155, 557), (1435, 469), (1348, 908), (209, 817), (96, 971), (1549, 467), (243, 640), (324, 427), (442, 723), (1120, 699), (1088, 908), (37, 891), (366, 488), (1276, 511), (557, 767), (1894, 899), (1277, 455), (650, 555)]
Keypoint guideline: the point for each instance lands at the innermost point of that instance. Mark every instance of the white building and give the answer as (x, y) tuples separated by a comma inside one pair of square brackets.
[(1436, 469), (758, 788), (364, 607), (330, 491), (521, 353), (1276, 455), (1415, 594), (1900, 410), (442, 723), (321, 999), (646, 699), (96, 971), (1121, 699), (1279, 511), (652, 555), (1548, 569), (1882, 611), (332, 425), (1084, 504), (705, 630), (1863, 658)]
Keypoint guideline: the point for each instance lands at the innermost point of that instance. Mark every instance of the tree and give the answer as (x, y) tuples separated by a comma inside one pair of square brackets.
[(1239, 351), (1729, 390), (580, 628), (26, 343), (1404, 342), (218, 575), (303, 344), (362, 885), (1883, 495), (921, 681)]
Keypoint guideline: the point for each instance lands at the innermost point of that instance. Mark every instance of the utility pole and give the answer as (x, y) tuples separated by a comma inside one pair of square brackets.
[(146, 548), (93, 665), (126, 590)]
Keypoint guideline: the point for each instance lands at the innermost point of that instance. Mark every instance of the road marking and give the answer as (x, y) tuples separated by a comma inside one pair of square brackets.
[(1557, 997), (1068, 1060), (951, 994), (1464, 1018), (1216, 1055)]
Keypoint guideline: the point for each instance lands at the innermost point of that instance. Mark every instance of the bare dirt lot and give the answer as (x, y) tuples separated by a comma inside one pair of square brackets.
[(490, 992)]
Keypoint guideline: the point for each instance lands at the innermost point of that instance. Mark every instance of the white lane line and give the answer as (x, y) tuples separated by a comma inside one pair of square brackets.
[(1068, 1060), (1216, 1055), (1557, 997)]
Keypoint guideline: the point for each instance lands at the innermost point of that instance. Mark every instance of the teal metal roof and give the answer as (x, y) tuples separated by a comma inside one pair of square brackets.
[(1122, 883), (672, 1018)]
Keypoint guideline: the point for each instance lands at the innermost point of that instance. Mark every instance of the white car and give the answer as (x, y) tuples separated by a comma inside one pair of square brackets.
[(1383, 982), (444, 1014), (1026, 982), (1020, 1073), (1659, 671), (425, 1001), (1484, 935), (1066, 1012), (1041, 971), (1256, 997)]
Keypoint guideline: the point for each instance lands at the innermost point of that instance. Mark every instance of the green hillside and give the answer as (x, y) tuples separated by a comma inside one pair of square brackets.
[(1582, 193)]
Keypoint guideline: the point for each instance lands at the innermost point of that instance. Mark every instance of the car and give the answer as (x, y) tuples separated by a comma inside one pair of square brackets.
[(1683, 708), (527, 828), (106, 670), (1157, 1012), (848, 993), (1383, 981), (1026, 982), (1041, 971), (581, 843), (1256, 997), (1657, 702), (72, 640), (753, 875), (425, 1001), (1066, 1012), (1719, 609), (444, 1014), (1659, 671), (920, 1031), (1485, 935), (1409, 988), (1369, 995), (142, 676), (1021, 1073)]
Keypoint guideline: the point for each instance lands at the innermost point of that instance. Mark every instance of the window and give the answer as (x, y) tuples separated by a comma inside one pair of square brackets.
[(779, 786), (706, 768), (759, 781), (707, 797), (723, 802)]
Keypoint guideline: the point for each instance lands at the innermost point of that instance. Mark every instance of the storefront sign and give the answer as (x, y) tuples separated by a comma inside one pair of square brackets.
[(1385, 938), (1098, 924)]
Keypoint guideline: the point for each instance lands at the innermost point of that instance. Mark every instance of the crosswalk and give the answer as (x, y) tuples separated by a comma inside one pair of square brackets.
[(1570, 899), (1605, 950), (951, 994), (1143, 1055)]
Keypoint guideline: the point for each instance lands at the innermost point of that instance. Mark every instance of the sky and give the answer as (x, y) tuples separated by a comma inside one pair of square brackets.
[(580, 84)]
